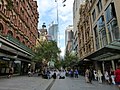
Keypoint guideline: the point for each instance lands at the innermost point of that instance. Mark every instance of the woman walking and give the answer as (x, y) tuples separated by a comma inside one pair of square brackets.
[(87, 75), (100, 76)]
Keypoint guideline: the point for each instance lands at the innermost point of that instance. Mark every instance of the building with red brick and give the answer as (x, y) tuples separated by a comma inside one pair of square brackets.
[(18, 33)]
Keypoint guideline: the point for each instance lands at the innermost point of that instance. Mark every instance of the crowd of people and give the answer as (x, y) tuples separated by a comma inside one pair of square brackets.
[(108, 76), (59, 74), (54, 73)]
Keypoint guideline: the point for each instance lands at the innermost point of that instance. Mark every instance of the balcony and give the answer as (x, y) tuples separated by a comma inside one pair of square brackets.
[(19, 44)]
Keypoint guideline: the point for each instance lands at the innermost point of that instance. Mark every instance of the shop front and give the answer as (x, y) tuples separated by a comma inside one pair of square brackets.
[(19, 67), (5, 63), (105, 58)]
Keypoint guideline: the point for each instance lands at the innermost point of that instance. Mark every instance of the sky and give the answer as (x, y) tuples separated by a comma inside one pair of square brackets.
[(48, 13)]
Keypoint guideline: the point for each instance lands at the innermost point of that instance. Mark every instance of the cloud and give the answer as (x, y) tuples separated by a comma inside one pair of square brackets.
[(48, 12)]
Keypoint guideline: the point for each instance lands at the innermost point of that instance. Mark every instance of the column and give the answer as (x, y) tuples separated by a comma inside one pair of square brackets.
[(113, 64), (103, 66)]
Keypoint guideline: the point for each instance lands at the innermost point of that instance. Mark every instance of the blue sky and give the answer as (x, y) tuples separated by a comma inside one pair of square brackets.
[(48, 13)]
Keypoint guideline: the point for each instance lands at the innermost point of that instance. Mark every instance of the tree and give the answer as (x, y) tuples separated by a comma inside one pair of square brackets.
[(47, 50), (69, 59)]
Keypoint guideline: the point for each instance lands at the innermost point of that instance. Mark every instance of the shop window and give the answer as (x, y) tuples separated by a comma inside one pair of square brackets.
[(4, 67), (17, 67)]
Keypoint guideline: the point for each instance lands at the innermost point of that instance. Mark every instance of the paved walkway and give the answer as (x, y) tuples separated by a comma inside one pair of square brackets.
[(80, 84), (24, 83), (37, 83)]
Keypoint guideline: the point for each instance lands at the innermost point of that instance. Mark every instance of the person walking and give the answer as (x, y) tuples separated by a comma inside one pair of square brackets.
[(90, 76), (100, 76), (11, 70), (87, 75), (95, 74), (107, 77), (54, 74), (48, 74), (117, 76), (72, 73), (112, 76), (76, 73)]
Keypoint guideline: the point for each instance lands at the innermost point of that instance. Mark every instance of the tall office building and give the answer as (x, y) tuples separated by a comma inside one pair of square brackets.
[(53, 32), (69, 38), (68, 34)]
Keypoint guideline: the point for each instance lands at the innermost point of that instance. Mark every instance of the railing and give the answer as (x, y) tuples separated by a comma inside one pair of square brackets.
[(19, 44)]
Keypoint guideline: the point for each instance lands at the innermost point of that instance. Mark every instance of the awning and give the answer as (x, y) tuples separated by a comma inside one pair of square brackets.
[(109, 52)]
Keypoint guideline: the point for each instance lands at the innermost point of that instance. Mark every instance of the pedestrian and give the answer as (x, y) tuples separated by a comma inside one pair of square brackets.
[(107, 77), (54, 74), (90, 76), (62, 74), (100, 76), (11, 70), (112, 76), (117, 76), (87, 75), (48, 74), (95, 74), (72, 73), (76, 73)]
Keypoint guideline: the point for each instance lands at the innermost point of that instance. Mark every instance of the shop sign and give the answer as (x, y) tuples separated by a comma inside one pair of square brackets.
[(5, 58)]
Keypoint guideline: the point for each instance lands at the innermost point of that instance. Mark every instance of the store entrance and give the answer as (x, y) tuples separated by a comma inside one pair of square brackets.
[(4, 67)]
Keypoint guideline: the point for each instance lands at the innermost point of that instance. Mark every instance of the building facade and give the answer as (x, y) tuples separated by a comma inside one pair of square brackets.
[(69, 38), (18, 34), (85, 35), (76, 16), (104, 23), (53, 32)]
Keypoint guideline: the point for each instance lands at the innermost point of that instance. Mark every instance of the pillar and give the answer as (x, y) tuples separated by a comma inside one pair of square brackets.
[(103, 65), (113, 64)]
